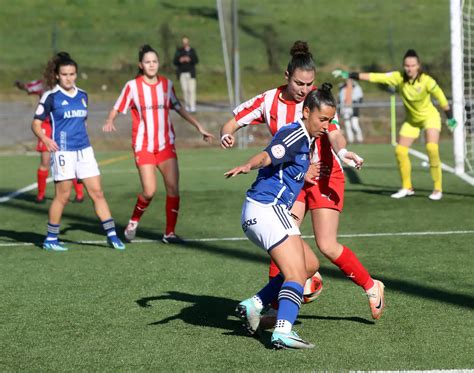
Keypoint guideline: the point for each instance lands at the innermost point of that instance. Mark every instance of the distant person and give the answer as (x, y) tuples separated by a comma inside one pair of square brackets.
[(350, 94), (37, 87), (150, 97), (72, 154), (186, 60), (416, 89)]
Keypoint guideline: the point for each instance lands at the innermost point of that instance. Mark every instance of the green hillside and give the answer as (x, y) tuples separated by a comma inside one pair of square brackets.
[(104, 36)]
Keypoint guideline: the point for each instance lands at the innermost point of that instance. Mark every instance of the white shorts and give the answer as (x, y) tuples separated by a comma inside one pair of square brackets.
[(67, 165), (267, 226)]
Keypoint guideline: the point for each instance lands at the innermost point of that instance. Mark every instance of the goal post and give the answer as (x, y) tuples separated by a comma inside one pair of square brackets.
[(457, 81)]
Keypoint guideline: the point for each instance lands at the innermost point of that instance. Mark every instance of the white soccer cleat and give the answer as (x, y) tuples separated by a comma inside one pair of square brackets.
[(436, 195), (131, 230), (376, 299), (402, 193)]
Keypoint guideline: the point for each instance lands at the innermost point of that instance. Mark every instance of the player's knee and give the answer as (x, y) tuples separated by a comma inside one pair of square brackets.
[(148, 194), (329, 248), (96, 195), (172, 190), (401, 151)]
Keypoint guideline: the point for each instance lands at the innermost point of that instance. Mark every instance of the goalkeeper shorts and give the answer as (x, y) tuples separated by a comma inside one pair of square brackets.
[(412, 130)]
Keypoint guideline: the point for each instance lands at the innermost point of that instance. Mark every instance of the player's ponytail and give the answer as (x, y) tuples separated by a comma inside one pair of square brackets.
[(319, 97), (144, 49), (53, 65), (301, 58)]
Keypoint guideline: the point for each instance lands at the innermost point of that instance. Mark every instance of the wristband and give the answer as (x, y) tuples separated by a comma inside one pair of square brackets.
[(354, 75), (224, 136), (342, 153), (449, 113)]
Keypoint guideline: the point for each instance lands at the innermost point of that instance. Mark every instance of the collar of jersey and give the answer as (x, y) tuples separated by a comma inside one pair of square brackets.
[(310, 139), (151, 84), (65, 92)]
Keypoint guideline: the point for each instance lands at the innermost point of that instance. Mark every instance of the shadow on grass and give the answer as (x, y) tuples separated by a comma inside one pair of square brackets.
[(252, 255), (204, 310), (360, 320)]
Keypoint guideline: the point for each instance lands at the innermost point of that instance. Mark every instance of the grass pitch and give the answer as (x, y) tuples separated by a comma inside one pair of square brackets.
[(170, 308)]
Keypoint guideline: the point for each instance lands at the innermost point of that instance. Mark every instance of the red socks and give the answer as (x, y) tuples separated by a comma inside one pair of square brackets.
[(140, 208), (353, 268), (172, 210), (79, 188), (41, 176)]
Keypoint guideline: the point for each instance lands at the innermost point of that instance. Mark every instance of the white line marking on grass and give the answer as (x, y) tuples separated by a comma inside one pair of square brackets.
[(12, 195), (468, 179), (221, 239), (17, 192)]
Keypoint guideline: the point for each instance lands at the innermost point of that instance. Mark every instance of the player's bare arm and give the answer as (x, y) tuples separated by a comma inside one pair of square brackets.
[(259, 160)]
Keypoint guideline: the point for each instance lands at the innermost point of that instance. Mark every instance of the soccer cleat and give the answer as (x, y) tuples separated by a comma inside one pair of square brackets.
[(312, 288), (436, 195), (283, 341), (172, 238), (268, 319), (53, 246), (250, 316), (376, 299), (131, 230), (115, 243), (402, 193)]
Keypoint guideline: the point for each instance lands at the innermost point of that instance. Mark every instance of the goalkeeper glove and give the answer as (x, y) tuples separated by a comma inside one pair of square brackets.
[(451, 123), (338, 73)]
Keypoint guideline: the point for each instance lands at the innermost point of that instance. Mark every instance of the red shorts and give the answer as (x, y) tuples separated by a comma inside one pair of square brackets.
[(328, 193), (46, 128), (144, 157)]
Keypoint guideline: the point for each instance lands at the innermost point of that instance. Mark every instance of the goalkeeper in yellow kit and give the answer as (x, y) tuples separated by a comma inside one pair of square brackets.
[(416, 89)]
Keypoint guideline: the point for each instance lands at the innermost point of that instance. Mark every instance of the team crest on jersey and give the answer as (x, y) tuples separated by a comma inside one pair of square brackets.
[(278, 151), (39, 109), (84, 102)]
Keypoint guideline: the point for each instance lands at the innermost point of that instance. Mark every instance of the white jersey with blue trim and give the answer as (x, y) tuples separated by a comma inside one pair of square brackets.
[(282, 180), (68, 113)]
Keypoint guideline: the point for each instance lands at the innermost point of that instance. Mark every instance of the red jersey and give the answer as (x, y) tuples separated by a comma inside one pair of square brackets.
[(270, 108), (150, 105), (35, 87)]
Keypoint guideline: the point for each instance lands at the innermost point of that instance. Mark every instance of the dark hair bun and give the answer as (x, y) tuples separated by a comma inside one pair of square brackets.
[(326, 87), (411, 53), (300, 48), (145, 48), (63, 55)]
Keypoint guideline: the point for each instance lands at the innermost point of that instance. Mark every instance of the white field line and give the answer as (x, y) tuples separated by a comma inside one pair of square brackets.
[(468, 179), (222, 239), (17, 192)]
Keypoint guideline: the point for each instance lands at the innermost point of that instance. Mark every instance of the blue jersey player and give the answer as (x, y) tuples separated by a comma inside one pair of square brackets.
[(71, 152), (267, 222)]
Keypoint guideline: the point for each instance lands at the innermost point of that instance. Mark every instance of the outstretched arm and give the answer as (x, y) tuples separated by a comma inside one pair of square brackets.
[(206, 136), (338, 143), (109, 125), (259, 160)]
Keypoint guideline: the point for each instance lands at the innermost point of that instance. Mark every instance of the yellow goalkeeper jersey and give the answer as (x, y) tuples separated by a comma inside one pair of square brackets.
[(416, 94)]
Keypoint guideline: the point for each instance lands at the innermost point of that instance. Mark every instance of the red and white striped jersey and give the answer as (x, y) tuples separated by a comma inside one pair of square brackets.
[(271, 109), (150, 106), (35, 87)]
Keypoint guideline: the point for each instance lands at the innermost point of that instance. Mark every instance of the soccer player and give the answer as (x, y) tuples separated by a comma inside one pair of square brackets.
[(416, 89), (324, 197), (150, 98), (72, 154), (267, 221), (38, 87)]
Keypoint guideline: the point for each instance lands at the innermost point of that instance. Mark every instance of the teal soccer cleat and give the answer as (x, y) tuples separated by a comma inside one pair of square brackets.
[(248, 312), (283, 341), (115, 243), (53, 246)]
